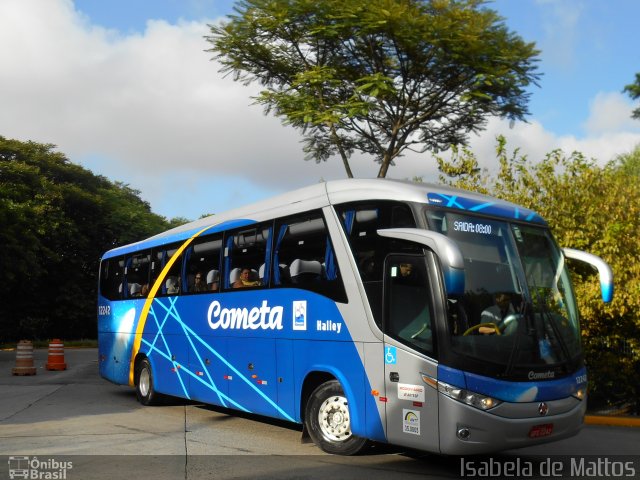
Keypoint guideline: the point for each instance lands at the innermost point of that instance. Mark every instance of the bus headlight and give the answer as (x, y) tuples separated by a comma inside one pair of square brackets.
[(474, 399)]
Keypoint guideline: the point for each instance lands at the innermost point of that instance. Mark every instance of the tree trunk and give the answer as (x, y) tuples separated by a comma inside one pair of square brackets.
[(343, 154), (384, 167)]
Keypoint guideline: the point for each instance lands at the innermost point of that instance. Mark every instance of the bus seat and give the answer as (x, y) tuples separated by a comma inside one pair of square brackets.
[(304, 270), (134, 289), (171, 284), (261, 272), (285, 277), (234, 275), (213, 276)]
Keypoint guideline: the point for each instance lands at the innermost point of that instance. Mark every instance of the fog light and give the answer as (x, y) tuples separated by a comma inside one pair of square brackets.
[(463, 433)]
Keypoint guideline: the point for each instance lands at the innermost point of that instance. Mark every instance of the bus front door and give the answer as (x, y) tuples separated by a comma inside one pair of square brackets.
[(411, 404)]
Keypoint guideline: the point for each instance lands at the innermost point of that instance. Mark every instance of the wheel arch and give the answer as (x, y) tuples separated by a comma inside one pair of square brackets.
[(353, 392)]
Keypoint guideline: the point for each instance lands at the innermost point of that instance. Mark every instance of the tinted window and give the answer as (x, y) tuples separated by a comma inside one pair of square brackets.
[(111, 278), (246, 261), (138, 267), (361, 222), (304, 256), (408, 317), (172, 284), (202, 265)]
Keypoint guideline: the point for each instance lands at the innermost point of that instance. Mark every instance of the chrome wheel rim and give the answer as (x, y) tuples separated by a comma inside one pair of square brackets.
[(144, 382), (334, 419)]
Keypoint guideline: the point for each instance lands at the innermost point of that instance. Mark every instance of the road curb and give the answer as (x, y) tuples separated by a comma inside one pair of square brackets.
[(612, 421)]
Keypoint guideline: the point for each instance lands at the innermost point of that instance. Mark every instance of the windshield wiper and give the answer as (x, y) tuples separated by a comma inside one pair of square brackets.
[(522, 325), (546, 315)]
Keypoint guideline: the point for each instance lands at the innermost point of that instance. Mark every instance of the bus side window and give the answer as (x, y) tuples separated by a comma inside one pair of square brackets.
[(138, 275), (361, 222), (112, 278), (171, 284), (304, 257), (247, 249), (202, 265)]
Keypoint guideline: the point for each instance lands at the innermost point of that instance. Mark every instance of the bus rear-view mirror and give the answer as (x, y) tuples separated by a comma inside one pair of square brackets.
[(604, 270), (446, 249)]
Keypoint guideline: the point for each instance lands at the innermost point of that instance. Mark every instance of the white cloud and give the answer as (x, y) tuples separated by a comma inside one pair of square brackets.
[(532, 140), (610, 112), (535, 142)]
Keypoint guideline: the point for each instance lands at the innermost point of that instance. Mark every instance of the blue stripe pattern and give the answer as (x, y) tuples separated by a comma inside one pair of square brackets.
[(494, 208)]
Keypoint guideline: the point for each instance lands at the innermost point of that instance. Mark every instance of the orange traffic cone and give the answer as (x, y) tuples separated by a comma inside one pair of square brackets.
[(24, 359), (56, 355)]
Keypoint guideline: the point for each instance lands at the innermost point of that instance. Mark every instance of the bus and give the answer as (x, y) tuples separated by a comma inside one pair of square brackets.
[(366, 310)]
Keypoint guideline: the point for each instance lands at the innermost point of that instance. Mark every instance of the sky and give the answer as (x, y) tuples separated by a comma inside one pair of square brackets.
[(127, 89)]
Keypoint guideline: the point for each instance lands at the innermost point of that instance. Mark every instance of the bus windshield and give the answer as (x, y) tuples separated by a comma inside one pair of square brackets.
[(517, 318)]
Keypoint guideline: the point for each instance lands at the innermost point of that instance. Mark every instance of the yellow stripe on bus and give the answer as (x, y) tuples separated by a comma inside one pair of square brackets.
[(147, 304)]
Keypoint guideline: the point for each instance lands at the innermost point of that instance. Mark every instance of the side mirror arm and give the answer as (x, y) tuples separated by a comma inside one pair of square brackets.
[(447, 250), (604, 270)]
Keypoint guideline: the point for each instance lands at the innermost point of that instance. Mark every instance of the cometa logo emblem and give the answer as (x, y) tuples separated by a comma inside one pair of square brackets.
[(300, 315), (543, 409)]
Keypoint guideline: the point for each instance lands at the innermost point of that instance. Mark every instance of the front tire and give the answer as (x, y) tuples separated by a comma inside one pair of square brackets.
[(328, 421), (145, 389)]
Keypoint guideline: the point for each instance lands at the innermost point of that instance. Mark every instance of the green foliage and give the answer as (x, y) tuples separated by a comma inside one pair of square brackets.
[(592, 208), (380, 76), (56, 220), (633, 89)]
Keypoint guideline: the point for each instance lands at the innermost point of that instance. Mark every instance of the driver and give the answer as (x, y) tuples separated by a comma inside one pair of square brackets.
[(496, 313)]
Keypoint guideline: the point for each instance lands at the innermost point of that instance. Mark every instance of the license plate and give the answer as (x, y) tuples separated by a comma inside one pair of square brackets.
[(543, 430)]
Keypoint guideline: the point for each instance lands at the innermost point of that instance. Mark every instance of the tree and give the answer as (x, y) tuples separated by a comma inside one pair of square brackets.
[(633, 89), (380, 77), (56, 220), (589, 207)]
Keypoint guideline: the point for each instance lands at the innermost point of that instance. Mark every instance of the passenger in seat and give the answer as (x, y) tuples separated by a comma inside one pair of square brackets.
[(245, 280), (406, 269), (199, 285)]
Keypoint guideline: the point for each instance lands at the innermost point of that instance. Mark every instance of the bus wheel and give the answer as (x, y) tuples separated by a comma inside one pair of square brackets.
[(328, 421), (145, 391)]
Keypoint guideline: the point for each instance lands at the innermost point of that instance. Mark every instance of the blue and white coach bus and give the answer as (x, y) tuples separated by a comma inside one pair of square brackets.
[(412, 314)]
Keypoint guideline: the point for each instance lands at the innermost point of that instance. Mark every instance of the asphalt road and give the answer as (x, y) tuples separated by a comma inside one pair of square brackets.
[(75, 416)]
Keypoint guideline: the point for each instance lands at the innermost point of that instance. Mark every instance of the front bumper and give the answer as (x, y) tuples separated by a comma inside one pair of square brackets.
[(507, 426)]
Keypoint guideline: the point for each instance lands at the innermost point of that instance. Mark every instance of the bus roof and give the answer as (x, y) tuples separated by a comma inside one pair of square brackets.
[(337, 192)]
